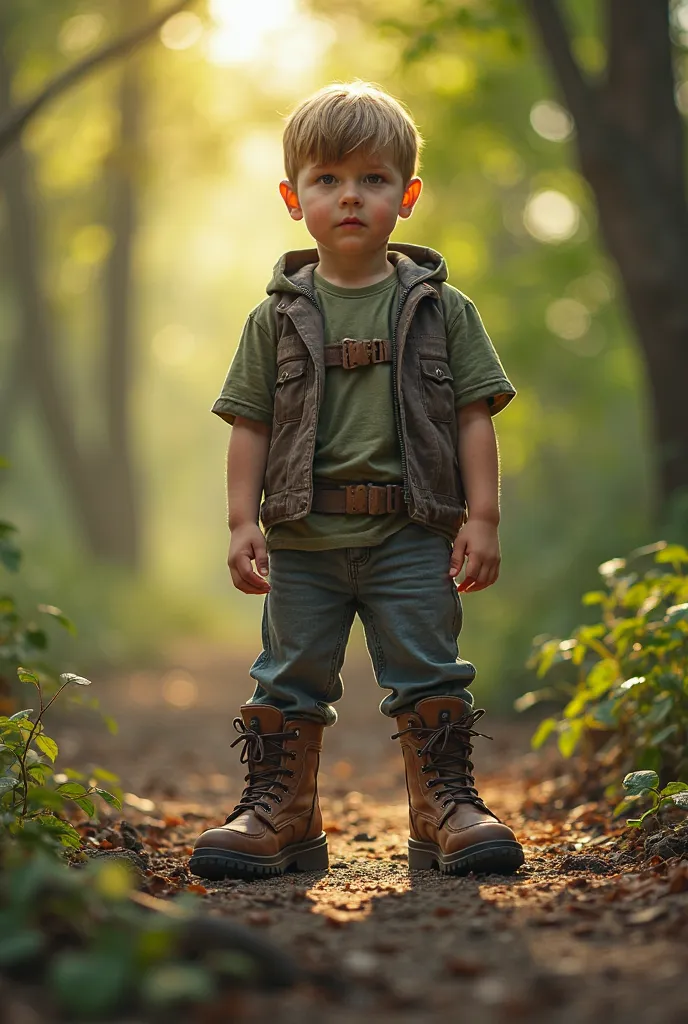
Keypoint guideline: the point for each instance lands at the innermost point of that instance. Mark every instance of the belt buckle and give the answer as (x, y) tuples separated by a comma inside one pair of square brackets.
[(356, 499), (377, 351), (355, 353)]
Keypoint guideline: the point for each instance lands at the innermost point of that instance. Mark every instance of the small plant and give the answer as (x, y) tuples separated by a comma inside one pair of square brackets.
[(624, 677), (640, 784), (31, 795)]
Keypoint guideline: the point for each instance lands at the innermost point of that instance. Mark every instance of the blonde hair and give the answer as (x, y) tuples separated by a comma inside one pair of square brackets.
[(342, 117)]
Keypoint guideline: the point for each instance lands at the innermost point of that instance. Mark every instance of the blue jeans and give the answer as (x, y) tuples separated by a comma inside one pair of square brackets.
[(410, 610)]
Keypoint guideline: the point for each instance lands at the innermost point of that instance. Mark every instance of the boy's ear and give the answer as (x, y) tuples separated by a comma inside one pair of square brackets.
[(411, 194), (291, 200)]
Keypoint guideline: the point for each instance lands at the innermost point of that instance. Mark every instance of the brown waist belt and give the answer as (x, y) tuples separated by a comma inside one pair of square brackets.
[(353, 352), (358, 499)]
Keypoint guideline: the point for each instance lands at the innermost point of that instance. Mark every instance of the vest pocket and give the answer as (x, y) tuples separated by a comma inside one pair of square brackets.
[(437, 389), (290, 390)]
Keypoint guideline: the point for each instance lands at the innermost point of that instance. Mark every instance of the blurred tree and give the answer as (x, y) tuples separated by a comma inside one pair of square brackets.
[(16, 118), (619, 86), (99, 478)]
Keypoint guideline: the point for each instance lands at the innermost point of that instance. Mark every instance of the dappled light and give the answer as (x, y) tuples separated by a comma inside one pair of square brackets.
[(141, 220)]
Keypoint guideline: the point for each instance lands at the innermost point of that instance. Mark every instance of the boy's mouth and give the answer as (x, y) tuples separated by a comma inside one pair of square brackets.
[(350, 221)]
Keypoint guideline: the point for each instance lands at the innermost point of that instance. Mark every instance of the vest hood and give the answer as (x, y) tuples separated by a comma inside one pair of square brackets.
[(293, 272)]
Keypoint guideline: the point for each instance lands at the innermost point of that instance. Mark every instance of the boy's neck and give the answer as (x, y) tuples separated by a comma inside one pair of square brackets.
[(356, 271)]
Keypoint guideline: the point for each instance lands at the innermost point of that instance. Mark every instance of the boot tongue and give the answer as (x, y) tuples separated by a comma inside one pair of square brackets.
[(262, 718), (438, 711)]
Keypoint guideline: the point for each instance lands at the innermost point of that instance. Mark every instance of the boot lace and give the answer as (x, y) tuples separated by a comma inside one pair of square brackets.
[(448, 748), (264, 750)]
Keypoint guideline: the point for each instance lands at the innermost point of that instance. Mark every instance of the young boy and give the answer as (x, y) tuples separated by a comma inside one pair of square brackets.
[(361, 398)]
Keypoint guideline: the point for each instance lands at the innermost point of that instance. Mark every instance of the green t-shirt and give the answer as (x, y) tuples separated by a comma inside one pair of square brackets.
[(357, 437)]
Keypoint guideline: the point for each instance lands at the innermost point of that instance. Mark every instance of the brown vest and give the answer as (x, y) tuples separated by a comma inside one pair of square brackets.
[(423, 398)]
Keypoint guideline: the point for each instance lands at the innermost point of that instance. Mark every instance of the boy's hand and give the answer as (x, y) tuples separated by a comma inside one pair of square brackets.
[(478, 541), (248, 545)]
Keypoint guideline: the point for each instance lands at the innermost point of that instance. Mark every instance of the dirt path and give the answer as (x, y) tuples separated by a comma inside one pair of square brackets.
[(582, 934)]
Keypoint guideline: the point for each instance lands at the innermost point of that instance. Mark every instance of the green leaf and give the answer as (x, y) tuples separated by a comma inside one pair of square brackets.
[(543, 732), (105, 776), (71, 789), (48, 746), (110, 798), (56, 613), (25, 676), (640, 782), (7, 783), (681, 800), (86, 805), (111, 724), (674, 787), (594, 597), (21, 714), (69, 677), (40, 772), (60, 830), (672, 553), (569, 737)]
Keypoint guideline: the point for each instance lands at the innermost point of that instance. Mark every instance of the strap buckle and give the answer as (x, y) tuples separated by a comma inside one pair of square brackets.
[(356, 499), (362, 353), (373, 499)]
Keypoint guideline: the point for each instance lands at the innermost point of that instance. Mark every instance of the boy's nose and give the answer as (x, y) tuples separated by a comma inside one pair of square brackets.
[(349, 196)]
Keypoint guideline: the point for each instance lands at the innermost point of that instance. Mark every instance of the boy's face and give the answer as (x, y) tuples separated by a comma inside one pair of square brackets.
[(351, 207)]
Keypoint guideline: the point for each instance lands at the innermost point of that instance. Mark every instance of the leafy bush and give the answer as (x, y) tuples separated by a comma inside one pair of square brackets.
[(625, 676), (31, 795)]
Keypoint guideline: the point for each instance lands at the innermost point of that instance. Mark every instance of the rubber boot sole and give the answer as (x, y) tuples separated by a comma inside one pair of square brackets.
[(216, 864), (499, 857)]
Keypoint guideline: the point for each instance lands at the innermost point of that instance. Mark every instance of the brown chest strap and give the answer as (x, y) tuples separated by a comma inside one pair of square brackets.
[(353, 352), (358, 499)]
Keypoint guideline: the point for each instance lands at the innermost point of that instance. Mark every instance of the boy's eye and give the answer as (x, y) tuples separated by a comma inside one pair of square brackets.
[(327, 179), (378, 179)]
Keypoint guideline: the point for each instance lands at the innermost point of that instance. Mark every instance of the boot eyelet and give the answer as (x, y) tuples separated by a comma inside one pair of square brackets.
[(277, 799), (419, 752), (410, 723), (254, 723), (297, 733), (292, 755), (437, 796)]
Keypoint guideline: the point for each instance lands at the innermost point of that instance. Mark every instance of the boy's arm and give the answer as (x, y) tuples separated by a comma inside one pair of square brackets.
[(478, 540), (247, 458)]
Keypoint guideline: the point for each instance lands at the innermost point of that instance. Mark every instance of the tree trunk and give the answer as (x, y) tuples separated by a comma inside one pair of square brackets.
[(80, 471), (39, 356), (123, 171), (631, 150)]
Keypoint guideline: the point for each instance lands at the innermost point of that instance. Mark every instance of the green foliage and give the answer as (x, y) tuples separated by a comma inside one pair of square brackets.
[(32, 796), (625, 676), (641, 784), (81, 933)]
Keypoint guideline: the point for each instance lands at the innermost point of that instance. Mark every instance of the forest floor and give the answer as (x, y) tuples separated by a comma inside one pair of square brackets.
[(589, 930)]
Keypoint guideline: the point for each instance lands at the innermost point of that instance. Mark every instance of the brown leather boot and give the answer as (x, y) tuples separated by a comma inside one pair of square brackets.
[(451, 828), (277, 823)]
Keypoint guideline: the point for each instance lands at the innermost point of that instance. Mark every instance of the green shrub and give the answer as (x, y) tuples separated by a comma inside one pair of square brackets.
[(642, 784), (32, 797), (624, 677)]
